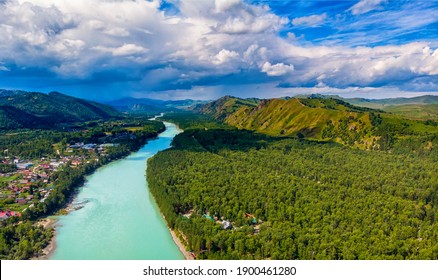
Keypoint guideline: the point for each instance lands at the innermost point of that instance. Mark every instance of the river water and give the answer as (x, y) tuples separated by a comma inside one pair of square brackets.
[(120, 219)]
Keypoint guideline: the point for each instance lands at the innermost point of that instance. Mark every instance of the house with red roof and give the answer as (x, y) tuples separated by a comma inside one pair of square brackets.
[(6, 214)]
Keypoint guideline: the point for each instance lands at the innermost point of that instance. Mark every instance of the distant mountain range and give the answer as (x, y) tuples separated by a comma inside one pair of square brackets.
[(20, 109), (308, 115), (377, 103), (151, 106), (419, 107), (387, 102)]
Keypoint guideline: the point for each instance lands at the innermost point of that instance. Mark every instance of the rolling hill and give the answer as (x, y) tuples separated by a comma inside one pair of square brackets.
[(417, 108), (389, 102), (307, 116), (315, 118), (415, 111)]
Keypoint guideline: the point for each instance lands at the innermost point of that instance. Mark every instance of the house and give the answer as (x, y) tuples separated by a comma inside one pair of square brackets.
[(226, 225), (56, 164), (24, 165), (106, 145), (77, 145), (6, 214), (89, 146), (254, 220), (45, 166), (208, 217), (20, 200)]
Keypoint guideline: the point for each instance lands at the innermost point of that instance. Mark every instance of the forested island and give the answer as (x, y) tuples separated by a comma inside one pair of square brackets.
[(255, 179)]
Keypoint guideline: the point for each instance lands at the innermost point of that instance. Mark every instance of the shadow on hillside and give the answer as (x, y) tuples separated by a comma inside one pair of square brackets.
[(215, 140)]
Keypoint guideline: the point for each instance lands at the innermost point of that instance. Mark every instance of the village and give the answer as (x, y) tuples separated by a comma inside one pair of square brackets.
[(30, 181)]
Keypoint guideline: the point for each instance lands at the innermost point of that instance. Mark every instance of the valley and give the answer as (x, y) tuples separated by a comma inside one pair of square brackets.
[(308, 177)]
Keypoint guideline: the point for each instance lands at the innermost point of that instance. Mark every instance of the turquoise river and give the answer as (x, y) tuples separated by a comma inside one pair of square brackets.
[(120, 219)]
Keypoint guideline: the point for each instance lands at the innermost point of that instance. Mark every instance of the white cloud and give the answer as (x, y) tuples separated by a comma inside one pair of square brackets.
[(225, 56), (200, 43), (125, 50), (224, 5), (364, 6), (278, 69), (311, 21)]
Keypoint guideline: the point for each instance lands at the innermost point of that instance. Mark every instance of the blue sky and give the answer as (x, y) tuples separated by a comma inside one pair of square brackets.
[(204, 49)]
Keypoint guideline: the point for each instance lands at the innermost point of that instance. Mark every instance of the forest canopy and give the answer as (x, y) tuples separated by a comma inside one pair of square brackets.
[(289, 198)]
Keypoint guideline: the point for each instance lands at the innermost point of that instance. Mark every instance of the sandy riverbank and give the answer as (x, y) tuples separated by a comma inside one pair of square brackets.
[(176, 240), (50, 248), (181, 246)]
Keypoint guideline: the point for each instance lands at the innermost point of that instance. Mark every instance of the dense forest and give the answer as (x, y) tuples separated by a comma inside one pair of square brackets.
[(22, 241), (291, 198)]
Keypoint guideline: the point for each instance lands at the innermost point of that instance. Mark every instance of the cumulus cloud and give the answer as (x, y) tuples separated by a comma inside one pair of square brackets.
[(278, 69), (224, 56), (310, 21), (364, 6), (204, 42)]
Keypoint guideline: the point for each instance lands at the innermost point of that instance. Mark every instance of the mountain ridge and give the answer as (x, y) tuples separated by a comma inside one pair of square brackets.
[(315, 118), (35, 109)]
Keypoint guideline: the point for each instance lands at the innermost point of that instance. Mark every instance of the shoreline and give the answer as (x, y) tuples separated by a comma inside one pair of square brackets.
[(48, 223), (175, 238), (180, 246), (51, 222)]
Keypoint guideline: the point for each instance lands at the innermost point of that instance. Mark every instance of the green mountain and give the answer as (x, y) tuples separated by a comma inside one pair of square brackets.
[(34, 109), (316, 118), (222, 108), (307, 116), (13, 118)]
